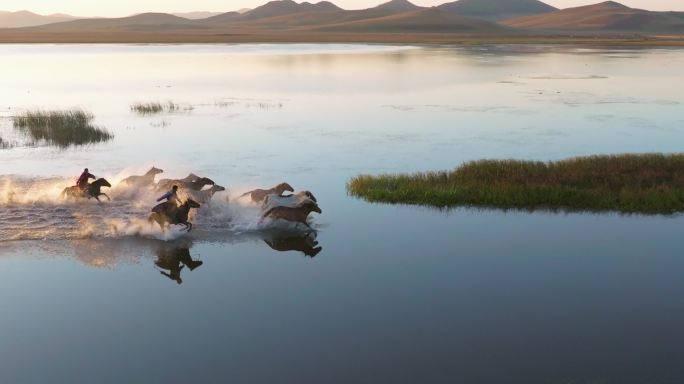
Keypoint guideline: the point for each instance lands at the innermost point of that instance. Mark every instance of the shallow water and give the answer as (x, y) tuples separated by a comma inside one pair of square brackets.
[(91, 293)]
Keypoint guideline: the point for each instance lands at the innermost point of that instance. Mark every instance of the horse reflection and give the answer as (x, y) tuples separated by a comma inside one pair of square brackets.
[(305, 244), (173, 259)]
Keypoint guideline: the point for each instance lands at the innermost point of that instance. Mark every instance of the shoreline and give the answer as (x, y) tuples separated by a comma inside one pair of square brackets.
[(9, 37)]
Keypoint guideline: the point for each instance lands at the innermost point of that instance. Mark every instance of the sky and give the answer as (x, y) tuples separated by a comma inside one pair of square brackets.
[(114, 8)]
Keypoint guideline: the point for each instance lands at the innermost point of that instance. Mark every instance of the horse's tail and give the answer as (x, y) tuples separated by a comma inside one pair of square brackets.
[(245, 194), (64, 192)]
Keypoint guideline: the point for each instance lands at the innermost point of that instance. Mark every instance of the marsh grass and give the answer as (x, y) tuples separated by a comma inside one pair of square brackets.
[(153, 108), (61, 128), (630, 183)]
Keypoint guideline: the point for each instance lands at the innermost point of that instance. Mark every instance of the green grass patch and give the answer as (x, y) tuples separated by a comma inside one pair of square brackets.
[(630, 183), (154, 108), (61, 128)]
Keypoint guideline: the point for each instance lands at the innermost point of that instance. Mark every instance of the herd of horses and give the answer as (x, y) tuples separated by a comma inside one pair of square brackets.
[(274, 202)]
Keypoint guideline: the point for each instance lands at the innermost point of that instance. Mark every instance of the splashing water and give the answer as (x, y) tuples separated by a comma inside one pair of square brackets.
[(32, 209)]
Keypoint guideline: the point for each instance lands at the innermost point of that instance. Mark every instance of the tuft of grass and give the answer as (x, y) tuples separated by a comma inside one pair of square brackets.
[(61, 128), (154, 108), (628, 183)]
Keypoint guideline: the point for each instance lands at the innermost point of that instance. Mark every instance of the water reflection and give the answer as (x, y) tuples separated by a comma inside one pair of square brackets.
[(304, 243), (173, 258)]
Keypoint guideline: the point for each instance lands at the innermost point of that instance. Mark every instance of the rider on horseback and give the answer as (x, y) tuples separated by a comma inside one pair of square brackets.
[(171, 196), (82, 182)]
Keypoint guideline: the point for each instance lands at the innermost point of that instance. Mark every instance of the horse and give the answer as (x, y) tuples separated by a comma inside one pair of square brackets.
[(187, 179), (258, 195), (146, 179), (169, 213), (297, 214), (195, 185), (92, 190), (204, 196), (294, 200)]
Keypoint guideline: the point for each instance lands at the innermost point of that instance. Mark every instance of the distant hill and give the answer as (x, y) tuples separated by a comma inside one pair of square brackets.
[(606, 16), (196, 15), (222, 18), (287, 20), (286, 7), (272, 9), (429, 20), (141, 22), (397, 6), (22, 19), (497, 9)]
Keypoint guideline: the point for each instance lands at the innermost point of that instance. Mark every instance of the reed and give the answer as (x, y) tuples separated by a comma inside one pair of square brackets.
[(629, 183), (154, 108), (61, 128)]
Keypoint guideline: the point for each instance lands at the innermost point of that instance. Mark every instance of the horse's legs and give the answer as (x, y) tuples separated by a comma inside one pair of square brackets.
[(105, 195), (189, 225)]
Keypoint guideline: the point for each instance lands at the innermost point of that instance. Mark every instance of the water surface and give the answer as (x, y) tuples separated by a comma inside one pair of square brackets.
[(394, 293)]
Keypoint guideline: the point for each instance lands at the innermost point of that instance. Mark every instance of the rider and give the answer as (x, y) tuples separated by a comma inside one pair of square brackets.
[(82, 182), (171, 196)]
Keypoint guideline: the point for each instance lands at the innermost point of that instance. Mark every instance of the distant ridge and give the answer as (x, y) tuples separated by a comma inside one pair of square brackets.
[(21, 19), (286, 7), (606, 16), (142, 22), (196, 15), (396, 20), (397, 6), (497, 9), (420, 21)]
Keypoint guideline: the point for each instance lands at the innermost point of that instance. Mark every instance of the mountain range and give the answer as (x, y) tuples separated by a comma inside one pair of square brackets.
[(607, 16), (324, 18)]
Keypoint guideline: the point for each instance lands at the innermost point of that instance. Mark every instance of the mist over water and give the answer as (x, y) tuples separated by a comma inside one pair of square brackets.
[(382, 293)]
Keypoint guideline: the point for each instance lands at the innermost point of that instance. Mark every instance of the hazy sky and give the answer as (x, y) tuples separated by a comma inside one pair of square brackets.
[(127, 7)]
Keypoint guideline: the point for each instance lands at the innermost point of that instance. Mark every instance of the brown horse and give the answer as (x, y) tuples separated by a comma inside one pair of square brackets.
[(91, 191), (258, 195), (146, 179), (169, 213), (297, 214)]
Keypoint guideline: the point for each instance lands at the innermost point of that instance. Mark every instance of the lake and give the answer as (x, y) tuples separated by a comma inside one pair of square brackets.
[(382, 293)]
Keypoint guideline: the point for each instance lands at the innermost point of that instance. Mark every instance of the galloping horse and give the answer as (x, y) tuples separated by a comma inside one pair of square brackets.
[(297, 214), (258, 195), (169, 213), (146, 179), (93, 190), (195, 185)]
